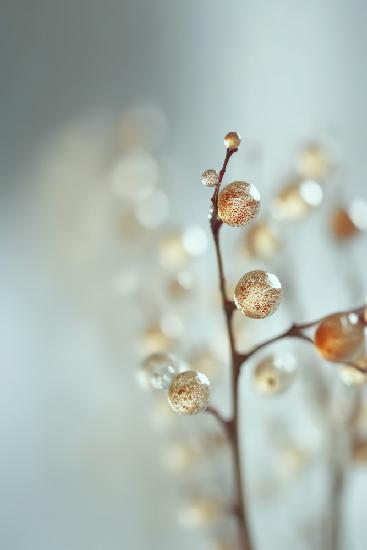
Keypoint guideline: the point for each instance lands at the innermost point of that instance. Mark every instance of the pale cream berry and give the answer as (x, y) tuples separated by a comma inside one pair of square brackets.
[(188, 394), (275, 374), (258, 294), (238, 203), (209, 178), (262, 240), (201, 512), (313, 162), (296, 200), (351, 376), (232, 140), (154, 339)]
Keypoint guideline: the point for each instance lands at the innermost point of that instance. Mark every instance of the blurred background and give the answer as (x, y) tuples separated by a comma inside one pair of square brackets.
[(110, 111)]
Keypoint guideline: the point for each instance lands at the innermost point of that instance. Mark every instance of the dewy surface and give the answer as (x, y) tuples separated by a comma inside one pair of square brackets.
[(189, 393), (238, 203), (258, 294)]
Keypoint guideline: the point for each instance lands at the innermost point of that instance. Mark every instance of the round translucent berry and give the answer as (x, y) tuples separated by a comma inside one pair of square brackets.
[(232, 140), (209, 178), (158, 370), (275, 374), (258, 294), (188, 393), (238, 203), (340, 337)]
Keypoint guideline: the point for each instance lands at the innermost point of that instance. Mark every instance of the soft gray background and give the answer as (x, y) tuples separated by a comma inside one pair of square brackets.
[(279, 72)]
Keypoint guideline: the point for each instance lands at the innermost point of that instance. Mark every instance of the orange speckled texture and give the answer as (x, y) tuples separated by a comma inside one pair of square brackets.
[(238, 203), (258, 294)]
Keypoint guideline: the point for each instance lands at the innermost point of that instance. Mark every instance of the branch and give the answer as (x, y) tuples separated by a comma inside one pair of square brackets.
[(297, 331), (226, 424), (231, 425)]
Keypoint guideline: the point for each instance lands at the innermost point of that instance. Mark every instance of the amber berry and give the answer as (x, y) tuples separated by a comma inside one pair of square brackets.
[(232, 140), (340, 337)]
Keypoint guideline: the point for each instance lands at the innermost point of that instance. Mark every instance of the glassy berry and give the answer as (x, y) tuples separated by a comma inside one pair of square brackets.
[(340, 337), (232, 140), (258, 294), (209, 178), (238, 203), (158, 370), (188, 393)]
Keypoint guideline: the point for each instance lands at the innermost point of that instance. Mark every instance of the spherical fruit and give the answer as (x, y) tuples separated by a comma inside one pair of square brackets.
[(340, 337), (232, 140), (158, 370), (188, 393), (296, 199), (258, 294), (209, 178), (238, 203), (275, 374)]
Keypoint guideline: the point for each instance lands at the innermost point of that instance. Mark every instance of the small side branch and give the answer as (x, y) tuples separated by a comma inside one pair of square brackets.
[(231, 425), (297, 330), (224, 423)]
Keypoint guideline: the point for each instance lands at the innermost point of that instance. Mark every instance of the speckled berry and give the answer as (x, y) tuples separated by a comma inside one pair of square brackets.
[(209, 178), (188, 394), (258, 294), (238, 203)]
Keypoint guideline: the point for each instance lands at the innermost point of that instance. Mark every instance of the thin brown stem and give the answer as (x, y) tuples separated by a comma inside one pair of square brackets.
[(233, 424), (225, 424)]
